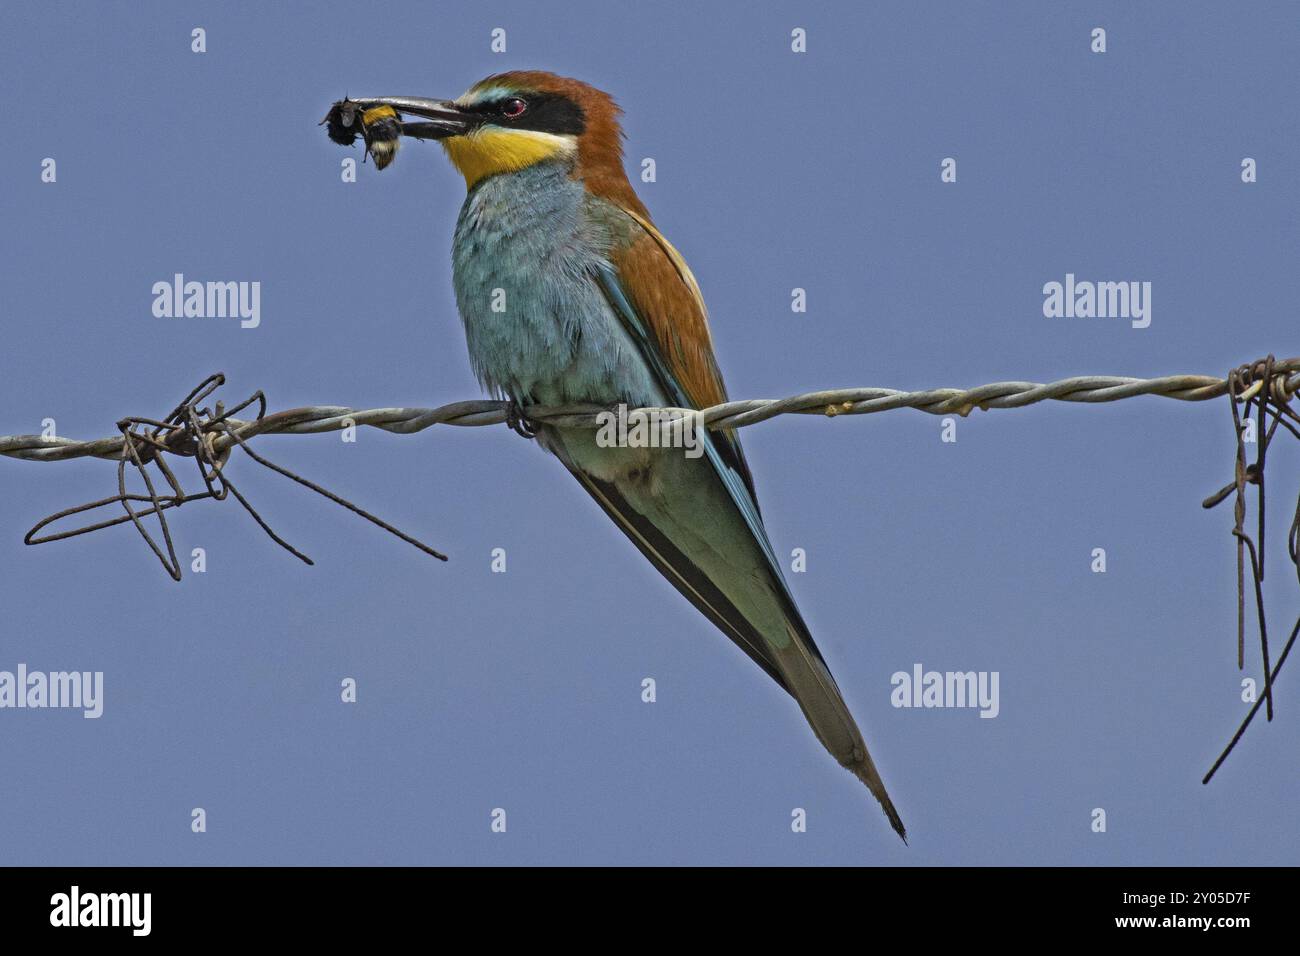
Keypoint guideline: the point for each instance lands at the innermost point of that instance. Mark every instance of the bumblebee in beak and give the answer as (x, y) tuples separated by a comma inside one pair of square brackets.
[(379, 121)]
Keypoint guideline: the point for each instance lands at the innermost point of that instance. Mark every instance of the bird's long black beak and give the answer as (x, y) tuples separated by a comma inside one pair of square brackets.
[(380, 121), (349, 118)]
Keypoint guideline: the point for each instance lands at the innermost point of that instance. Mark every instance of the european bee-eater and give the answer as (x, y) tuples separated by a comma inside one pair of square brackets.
[(600, 309)]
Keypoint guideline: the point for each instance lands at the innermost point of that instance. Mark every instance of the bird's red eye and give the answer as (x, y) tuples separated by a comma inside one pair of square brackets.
[(513, 107)]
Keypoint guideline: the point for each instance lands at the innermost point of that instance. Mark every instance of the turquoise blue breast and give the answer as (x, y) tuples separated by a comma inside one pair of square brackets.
[(525, 256)]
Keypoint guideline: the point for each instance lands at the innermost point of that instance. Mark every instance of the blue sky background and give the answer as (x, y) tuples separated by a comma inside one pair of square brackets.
[(522, 690)]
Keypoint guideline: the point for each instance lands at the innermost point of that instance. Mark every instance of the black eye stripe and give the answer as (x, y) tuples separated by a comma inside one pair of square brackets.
[(544, 112)]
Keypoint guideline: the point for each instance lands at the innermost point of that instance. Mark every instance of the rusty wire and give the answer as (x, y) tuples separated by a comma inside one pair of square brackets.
[(1265, 387)]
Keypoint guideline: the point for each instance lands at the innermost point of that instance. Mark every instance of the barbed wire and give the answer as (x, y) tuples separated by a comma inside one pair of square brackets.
[(209, 436), (315, 419)]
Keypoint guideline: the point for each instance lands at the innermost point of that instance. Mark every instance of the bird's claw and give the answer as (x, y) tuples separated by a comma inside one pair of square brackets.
[(518, 423)]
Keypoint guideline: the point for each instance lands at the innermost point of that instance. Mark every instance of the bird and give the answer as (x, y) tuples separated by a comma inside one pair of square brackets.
[(570, 294)]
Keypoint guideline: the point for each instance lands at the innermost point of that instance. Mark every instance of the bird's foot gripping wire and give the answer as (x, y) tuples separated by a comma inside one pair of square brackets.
[(518, 423)]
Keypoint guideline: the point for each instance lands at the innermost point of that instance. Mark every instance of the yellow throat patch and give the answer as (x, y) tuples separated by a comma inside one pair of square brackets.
[(488, 151)]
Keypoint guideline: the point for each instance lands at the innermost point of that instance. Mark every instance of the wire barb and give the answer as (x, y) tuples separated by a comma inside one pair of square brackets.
[(1262, 388), (208, 437)]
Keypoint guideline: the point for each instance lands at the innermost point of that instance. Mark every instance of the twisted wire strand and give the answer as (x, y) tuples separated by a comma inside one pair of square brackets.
[(739, 414)]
